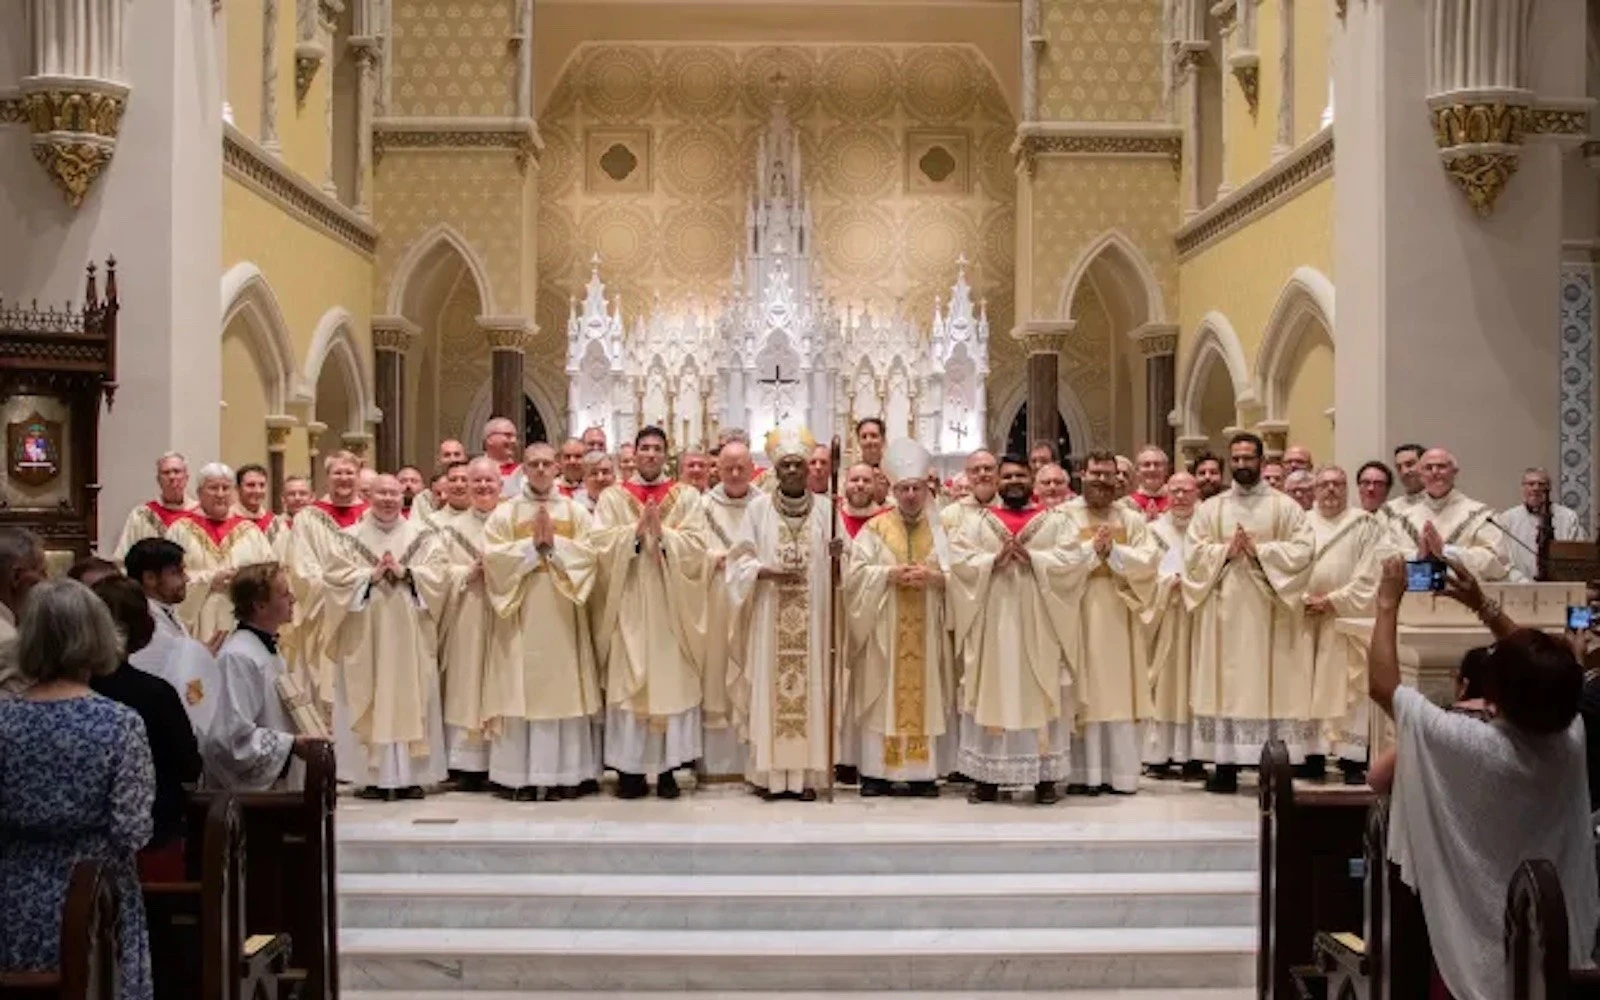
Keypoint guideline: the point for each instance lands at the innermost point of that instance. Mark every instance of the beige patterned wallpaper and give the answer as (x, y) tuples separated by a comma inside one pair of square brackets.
[(452, 58), (1103, 61)]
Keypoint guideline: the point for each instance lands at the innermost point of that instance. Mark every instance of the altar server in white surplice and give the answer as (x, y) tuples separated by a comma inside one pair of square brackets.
[(1344, 580), (467, 633), (314, 541), (650, 536), (216, 544), (152, 519), (781, 568), (386, 588), (895, 599), (1444, 523), (1246, 565), (541, 692), (1110, 579), (727, 506), (1169, 630), (1006, 566)]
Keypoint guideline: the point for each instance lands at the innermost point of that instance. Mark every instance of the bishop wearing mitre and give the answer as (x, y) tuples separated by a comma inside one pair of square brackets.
[(1016, 713), (1170, 634), (313, 544), (385, 587), (781, 567), (152, 519), (467, 632), (541, 690), (1247, 561), (216, 544), (727, 507), (895, 602), (1444, 523), (1110, 579), (650, 537)]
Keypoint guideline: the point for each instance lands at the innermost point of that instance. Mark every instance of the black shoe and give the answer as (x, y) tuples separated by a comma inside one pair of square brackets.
[(586, 788), (983, 791), (1355, 772), (1224, 780), (957, 778), (667, 786), (872, 788), (410, 792), (1077, 789), (471, 781), (502, 792), (1160, 772), (1314, 769), (527, 793), (371, 793), (768, 795), (1045, 794), (923, 789), (632, 786), (809, 795), (1193, 770), (846, 774)]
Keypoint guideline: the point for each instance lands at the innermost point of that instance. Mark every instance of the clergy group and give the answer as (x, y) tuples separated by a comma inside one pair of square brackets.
[(526, 622)]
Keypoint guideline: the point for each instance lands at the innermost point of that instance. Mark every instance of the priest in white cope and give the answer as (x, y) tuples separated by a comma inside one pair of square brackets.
[(152, 519), (385, 588), (650, 537), (467, 629), (541, 689), (1444, 523), (314, 542), (1344, 580), (1109, 578), (727, 506), (1246, 565), (1015, 695), (895, 602), (1525, 522), (780, 573), (254, 744), (216, 544), (1169, 631)]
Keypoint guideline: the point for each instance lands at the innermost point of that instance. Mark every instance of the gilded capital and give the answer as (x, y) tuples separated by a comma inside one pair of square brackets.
[(1156, 340), (508, 333), (278, 428), (1479, 142), (75, 124), (394, 333), (1044, 336), (356, 442)]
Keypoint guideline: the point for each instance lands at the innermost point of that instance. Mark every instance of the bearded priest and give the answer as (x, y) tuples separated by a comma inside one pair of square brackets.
[(541, 692), (782, 568), (385, 590), (727, 507), (650, 537), (894, 597), (216, 544), (1016, 716)]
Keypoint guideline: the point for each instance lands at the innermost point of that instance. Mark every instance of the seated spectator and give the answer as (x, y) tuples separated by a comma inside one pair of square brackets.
[(173, 747), (1468, 701), (90, 570), (76, 783), (1472, 801), (21, 567)]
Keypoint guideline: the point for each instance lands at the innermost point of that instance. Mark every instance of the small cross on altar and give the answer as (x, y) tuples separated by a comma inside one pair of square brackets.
[(959, 429)]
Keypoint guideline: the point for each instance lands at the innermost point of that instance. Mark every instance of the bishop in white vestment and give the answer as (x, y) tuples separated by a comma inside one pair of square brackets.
[(1443, 523), (1169, 629), (541, 690), (467, 630), (727, 505)]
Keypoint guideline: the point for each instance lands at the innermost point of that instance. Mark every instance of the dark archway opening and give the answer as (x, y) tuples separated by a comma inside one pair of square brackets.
[(1017, 437), (533, 428)]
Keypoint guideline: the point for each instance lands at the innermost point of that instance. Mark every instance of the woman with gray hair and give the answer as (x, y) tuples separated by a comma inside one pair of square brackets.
[(216, 544), (76, 783)]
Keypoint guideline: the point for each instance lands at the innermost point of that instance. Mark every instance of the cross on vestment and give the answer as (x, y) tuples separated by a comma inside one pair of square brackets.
[(781, 399)]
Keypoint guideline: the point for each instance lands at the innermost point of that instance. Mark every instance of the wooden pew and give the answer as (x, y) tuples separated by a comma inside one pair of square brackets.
[(88, 954), (1311, 840), (1537, 942)]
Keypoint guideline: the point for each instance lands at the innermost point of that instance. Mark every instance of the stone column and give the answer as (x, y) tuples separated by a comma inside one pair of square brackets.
[(1274, 436), (269, 77), (314, 430), (278, 427), (1158, 343), (1283, 141), (508, 342), (366, 52), (1044, 340), (1189, 448), (392, 337), (1033, 43), (358, 443)]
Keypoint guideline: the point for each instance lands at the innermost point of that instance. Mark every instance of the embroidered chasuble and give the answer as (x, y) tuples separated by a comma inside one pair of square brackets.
[(725, 525), (149, 520), (852, 521), (545, 670), (467, 633), (1465, 526), (1249, 683), (648, 624), (275, 527), (1169, 634), (313, 541), (1345, 570), (212, 547), (902, 676)]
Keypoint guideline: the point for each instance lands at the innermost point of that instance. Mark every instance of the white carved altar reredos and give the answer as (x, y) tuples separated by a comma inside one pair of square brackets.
[(777, 351)]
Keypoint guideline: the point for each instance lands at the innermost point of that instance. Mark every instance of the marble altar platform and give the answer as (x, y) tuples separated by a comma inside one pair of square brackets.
[(462, 897)]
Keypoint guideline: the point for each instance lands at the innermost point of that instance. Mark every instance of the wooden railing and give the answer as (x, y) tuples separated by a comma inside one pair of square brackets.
[(1537, 936), (87, 967)]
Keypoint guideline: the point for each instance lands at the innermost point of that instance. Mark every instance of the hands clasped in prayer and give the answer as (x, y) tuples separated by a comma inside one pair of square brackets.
[(388, 570), (917, 576), (649, 529), (1241, 546)]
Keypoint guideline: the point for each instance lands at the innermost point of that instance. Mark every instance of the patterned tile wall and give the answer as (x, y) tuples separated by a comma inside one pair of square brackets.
[(452, 59), (1576, 488), (1103, 61)]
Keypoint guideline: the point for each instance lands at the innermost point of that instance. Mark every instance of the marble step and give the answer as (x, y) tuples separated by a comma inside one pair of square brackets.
[(790, 902), (760, 961), (556, 848), (1226, 993)]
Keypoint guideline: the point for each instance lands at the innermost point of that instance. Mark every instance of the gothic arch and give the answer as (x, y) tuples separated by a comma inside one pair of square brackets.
[(551, 410), (1072, 411), (1214, 343), (1125, 267), (335, 341), (1304, 311), (422, 261), (246, 296)]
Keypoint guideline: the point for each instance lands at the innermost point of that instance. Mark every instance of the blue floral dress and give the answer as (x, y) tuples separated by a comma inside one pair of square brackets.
[(76, 782)]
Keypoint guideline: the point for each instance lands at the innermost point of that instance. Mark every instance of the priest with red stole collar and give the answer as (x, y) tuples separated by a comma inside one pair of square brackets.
[(152, 519), (297, 496), (650, 539), (500, 444), (571, 458), (216, 544), (252, 487), (313, 543), (858, 507), (1151, 468), (1006, 562)]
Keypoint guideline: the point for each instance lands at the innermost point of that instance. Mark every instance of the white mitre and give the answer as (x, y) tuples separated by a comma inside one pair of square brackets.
[(783, 442), (906, 459)]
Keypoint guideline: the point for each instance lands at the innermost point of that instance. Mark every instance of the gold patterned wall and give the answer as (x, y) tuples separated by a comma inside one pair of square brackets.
[(1102, 61), (452, 58), (692, 115)]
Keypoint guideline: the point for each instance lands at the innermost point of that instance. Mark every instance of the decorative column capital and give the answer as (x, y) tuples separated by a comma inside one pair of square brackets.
[(1246, 68), (278, 427), (508, 333), (1192, 446), (1479, 136), (356, 442), (1275, 435), (394, 333), (1155, 340), (1044, 336), (75, 123)]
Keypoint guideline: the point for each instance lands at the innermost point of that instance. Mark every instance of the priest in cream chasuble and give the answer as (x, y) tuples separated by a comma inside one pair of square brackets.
[(152, 519), (385, 590), (1246, 565), (251, 502), (216, 544), (1169, 632), (1343, 584), (1109, 581), (895, 600), (727, 507), (650, 537), (1444, 523), (314, 543), (780, 576), (467, 630), (1016, 712), (541, 690), (858, 506)]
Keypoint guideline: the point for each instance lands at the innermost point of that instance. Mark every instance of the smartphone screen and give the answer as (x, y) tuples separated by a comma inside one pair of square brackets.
[(1579, 618), (1424, 575)]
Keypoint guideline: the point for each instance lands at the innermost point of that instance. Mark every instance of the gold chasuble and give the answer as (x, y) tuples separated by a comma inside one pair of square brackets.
[(1345, 571), (902, 677), (1464, 525), (212, 548), (1249, 683)]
